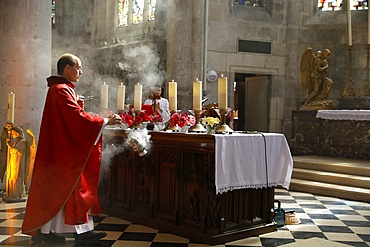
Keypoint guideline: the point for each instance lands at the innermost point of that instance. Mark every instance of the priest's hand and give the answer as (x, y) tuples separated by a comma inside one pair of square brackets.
[(158, 107), (81, 103), (114, 119)]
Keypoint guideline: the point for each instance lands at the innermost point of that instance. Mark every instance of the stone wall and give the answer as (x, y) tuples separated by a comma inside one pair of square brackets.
[(25, 52)]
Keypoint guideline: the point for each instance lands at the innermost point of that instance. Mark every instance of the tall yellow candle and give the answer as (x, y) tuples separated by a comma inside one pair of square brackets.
[(11, 105), (349, 23), (121, 97), (104, 96), (172, 95), (222, 92), (197, 95), (138, 96)]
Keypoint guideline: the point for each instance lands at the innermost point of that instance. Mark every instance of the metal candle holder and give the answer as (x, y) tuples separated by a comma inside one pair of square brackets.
[(136, 113), (349, 89), (198, 127), (223, 127), (169, 126), (365, 89)]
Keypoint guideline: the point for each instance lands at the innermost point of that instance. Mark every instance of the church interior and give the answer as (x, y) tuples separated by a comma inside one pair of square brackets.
[(293, 71)]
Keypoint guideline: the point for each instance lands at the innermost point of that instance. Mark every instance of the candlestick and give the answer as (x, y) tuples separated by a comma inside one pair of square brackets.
[(104, 96), (198, 127), (365, 88), (121, 97), (349, 23), (349, 89), (11, 105), (222, 92), (368, 23), (197, 95), (172, 95), (138, 97), (223, 127)]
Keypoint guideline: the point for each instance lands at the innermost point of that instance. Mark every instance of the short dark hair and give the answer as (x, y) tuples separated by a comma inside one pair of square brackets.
[(64, 60)]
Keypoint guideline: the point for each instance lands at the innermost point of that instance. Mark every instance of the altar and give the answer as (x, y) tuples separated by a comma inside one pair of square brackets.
[(209, 188), (338, 133)]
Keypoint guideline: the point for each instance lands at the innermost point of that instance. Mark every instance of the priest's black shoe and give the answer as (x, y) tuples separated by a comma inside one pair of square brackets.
[(50, 238), (88, 237)]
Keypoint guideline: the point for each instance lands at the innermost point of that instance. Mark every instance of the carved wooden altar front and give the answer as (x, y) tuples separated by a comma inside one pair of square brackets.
[(172, 189)]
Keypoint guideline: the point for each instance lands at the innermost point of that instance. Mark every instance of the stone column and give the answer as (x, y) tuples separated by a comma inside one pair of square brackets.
[(25, 59), (184, 47)]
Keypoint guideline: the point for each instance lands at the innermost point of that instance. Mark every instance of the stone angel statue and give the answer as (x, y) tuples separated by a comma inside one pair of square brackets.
[(313, 70)]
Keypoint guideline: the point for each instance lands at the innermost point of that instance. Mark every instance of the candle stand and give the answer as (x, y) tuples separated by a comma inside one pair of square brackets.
[(223, 127), (136, 124), (169, 127), (365, 89), (198, 127), (349, 89)]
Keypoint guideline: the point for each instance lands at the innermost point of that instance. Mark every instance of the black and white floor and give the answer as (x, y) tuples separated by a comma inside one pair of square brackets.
[(325, 221)]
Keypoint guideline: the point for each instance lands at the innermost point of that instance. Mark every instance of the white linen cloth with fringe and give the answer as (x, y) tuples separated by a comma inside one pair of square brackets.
[(356, 115), (256, 160)]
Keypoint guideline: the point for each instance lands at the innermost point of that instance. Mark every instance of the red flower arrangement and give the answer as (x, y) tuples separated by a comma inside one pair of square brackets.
[(182, 120), (131, 120), (157, 118)]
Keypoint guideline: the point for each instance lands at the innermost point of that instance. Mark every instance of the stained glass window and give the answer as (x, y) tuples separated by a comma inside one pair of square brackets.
[(53, 13), (123, 9), (138, 11), (334, 5), (151, 9), (359, 5), (135, 9), (254, 3)]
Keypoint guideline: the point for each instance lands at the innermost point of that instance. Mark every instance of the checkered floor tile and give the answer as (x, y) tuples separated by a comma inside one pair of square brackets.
[(324, 221)]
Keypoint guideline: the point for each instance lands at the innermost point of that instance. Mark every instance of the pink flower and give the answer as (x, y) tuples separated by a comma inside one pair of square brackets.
[(182, 120), (191, 120)]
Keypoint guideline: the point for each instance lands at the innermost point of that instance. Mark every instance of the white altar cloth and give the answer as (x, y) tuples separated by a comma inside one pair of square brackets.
[(358, 115), (241, 161)]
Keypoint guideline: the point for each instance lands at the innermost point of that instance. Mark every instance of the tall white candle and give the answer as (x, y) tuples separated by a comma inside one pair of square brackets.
[(104, 96), (138, 96), (197, 95), (121, 97), (172, 95), (11, 105), (349, 23), (222, 92)]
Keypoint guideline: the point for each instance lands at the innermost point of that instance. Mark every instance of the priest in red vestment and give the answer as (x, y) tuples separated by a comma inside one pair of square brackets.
[(64, 186)]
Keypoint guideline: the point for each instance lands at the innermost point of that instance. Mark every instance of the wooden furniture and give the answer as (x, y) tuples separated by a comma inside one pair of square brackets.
[(172, 189)]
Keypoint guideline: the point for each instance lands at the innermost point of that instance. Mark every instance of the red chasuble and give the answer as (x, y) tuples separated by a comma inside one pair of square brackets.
[(67, 163)]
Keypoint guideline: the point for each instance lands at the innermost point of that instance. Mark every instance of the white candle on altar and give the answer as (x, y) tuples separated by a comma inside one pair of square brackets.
[(11, 105), (172, 95), (349, 23), (222, 92), (197, 95), (121, 97), (138, 95), (104, 96)]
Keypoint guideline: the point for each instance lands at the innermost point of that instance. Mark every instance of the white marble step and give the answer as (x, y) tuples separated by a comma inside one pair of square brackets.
[(333, 164), (332, 177), (333, 190)]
